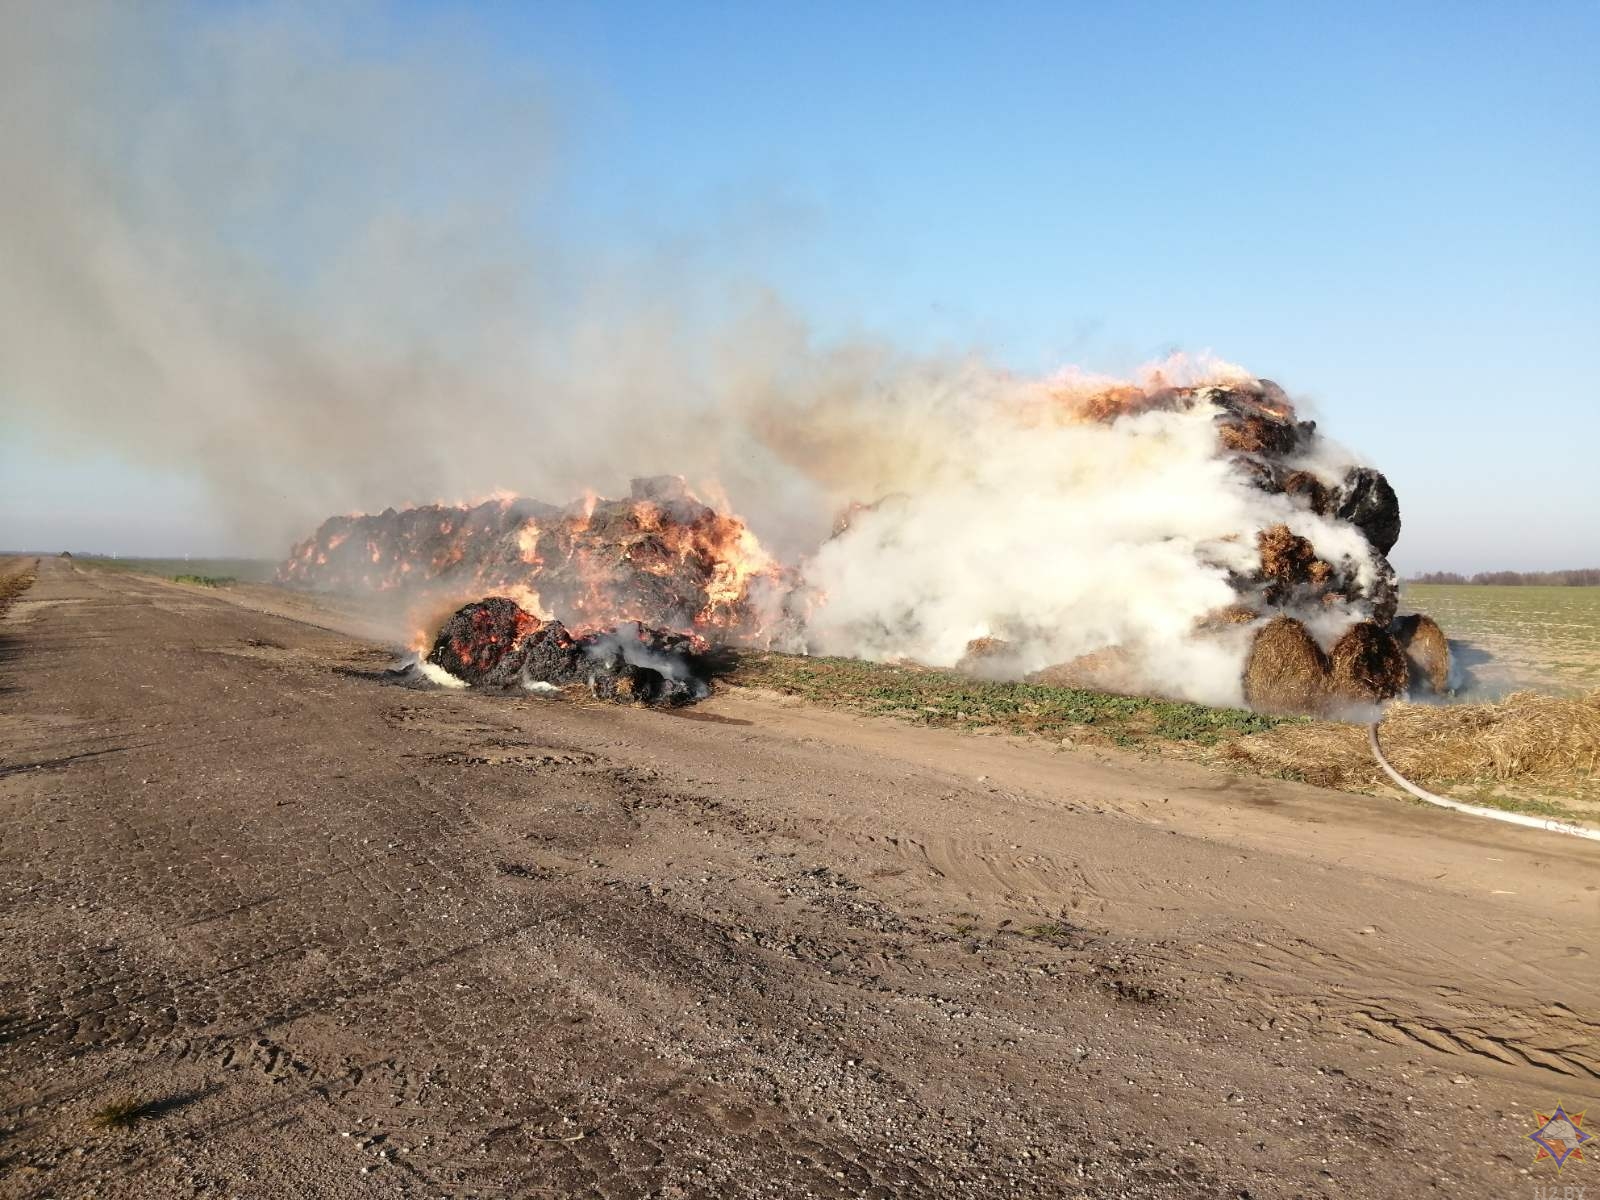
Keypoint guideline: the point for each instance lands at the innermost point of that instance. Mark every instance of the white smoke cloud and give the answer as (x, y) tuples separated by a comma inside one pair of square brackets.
[(1060, 538)]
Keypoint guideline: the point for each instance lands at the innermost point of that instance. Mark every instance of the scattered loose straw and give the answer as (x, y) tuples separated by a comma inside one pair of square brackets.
[(1475, 810)]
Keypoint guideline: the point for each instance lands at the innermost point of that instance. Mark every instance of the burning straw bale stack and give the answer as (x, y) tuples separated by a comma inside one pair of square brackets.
[(1372, 660), (1257, 431), (1294, 588), (1315, 588), (659, 556)]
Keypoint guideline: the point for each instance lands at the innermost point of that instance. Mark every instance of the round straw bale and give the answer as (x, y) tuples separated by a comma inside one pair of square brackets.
[(1366, 665), (1286, 671), (1427, 652)]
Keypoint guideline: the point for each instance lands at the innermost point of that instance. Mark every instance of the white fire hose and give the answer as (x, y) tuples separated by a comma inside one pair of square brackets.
[(1474, 810)]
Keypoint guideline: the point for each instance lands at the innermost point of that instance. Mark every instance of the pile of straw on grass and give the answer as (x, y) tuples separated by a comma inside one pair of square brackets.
[(1526, 739), (1109, 669), (987, 658)]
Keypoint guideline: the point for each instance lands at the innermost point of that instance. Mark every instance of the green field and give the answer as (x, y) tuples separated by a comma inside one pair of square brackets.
[(1539, 638), (206, 572), (950, 700)]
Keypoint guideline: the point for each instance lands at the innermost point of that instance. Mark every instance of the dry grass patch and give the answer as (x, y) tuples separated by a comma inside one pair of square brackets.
[(119, 1114), (16, 576), (1527, 740), (1528, 752)]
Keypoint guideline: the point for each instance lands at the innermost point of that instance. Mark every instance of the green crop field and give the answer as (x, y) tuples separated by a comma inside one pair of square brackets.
[(1539, 638), (205, 572)]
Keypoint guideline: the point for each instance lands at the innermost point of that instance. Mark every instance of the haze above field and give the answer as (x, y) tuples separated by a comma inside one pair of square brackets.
[(1390, 215)]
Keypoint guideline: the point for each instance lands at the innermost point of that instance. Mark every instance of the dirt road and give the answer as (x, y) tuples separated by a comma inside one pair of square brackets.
[(348, 939)]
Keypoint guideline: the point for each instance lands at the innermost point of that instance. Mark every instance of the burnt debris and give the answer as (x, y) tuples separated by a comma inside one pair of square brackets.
[(495, 644)]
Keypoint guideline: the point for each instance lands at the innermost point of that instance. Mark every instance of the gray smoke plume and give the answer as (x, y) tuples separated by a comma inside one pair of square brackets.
[(317, 265)]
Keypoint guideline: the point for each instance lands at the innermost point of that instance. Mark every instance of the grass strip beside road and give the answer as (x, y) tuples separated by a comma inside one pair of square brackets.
[(1527, 753), (16, 576), (945, 698)]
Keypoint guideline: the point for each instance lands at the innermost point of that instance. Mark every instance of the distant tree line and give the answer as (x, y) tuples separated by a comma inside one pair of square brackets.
[(1585, 577)]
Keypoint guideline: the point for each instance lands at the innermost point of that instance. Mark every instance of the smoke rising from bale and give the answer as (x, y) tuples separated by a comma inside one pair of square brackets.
[(1125, 536), (1055, 520), (322, 269)]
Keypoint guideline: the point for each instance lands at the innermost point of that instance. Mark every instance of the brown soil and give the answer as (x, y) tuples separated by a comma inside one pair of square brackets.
[(338, 938), (16, 576)]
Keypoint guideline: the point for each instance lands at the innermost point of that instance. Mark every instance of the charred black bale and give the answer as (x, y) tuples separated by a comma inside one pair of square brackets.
[(1383, 594), (482, 642), (494, 643), (1366, 500), (552, 655)]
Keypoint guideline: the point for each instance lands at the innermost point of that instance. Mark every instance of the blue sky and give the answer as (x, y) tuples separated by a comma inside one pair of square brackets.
[(1393, 211)]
